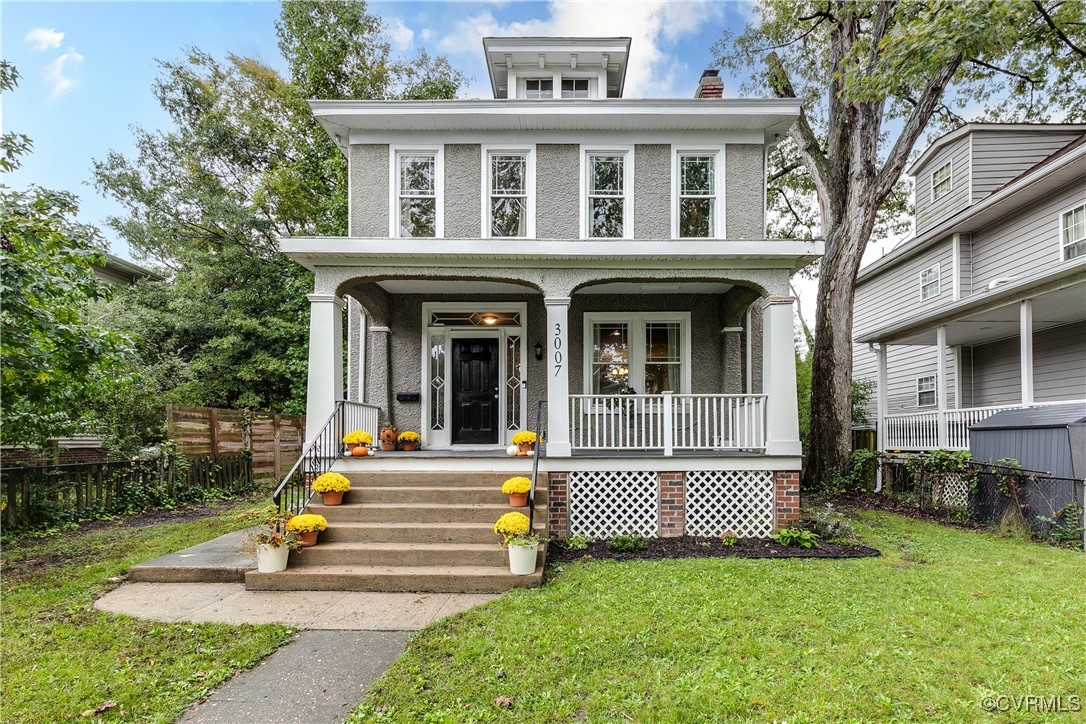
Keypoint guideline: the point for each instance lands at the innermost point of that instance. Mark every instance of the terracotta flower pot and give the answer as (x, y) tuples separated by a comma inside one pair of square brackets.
[(332, 498), (518, 500), (309, 539), (525, 448), (410, 445), (388, 438), (360, 451)]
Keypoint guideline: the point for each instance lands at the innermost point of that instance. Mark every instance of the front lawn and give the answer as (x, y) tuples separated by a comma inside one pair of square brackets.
[(60, 658), (942, 620)]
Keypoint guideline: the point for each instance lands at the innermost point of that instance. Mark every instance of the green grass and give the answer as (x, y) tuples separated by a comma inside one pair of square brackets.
[(944, 618), (61, 658)]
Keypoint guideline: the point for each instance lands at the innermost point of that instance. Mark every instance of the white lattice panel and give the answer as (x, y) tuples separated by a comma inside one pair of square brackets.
[(955, 491), (605, 504), (729, 501)]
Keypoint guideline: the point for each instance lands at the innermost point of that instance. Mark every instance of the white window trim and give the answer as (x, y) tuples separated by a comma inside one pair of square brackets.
[(522, 85), (636, 341), (626, 150), (677, 152), (499, 149), (948, 164), (443, 438), (394, 152), (1059, 231), (938, 282), (934, 390)]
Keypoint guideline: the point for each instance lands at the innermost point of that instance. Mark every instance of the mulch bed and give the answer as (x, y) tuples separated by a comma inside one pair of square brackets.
[(694, 547)]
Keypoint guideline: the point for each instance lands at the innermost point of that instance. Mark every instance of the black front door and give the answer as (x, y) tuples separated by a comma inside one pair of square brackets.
[(475, 390)]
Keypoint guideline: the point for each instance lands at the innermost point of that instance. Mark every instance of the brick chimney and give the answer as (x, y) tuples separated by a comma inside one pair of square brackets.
[(710, 85)]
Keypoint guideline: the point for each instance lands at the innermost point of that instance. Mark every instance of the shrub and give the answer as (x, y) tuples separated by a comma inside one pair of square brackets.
[(358, 437), (576, 543), (307, 523), (728, 540), (796, 538), (512, 486), (626, 543), (331, 483), (827, 523)]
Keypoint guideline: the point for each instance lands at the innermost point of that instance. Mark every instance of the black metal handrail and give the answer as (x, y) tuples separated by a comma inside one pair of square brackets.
[(535, 464)]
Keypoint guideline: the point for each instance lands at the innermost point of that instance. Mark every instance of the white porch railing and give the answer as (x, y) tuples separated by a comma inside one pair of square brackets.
[(921, 430), (667, 422)]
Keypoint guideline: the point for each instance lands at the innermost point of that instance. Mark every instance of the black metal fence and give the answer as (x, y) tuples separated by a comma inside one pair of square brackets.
[(989, 494)]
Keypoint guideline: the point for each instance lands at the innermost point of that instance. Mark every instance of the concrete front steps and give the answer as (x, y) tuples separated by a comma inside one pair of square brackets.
[(411, 531)]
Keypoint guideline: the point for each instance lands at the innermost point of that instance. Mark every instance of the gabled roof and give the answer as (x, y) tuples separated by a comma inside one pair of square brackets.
[(968, 128)]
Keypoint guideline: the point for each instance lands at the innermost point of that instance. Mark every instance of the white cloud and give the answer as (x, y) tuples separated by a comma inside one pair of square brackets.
[(651, 24), (399, 33), (44, 38), (57, 74)]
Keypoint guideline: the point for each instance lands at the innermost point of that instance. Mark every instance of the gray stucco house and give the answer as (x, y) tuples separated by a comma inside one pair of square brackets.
[(561, 243), (985, 308)]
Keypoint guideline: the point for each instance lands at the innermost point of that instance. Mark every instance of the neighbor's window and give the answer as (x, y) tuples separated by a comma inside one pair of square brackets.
[(929, 282), (925, 391), (697, 195), (575, 88), (418, 194), (606, 196), (941, 182), (537, 88), (509, 195), (1073, 235)]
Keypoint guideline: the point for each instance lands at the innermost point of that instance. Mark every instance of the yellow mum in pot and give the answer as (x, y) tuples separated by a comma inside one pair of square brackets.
[(358, 437), (524, 437), (511, 524), (331, 483), (409, 436), (512, 486), (307, 523)]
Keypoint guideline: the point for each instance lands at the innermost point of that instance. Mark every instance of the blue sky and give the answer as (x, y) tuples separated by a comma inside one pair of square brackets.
[(87, 67)]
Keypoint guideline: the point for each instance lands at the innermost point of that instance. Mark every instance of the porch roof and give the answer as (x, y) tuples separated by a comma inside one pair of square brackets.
[(1058, 298), (311, 252)]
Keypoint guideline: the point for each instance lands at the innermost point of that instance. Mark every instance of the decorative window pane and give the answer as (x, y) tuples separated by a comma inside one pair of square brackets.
[(925, 391), (537, 88), (929, 282), (575, 88), (475, 319), (508, 195), (606, 196), (418, 195), (941, 182), (697, 196), (610, 358), (512, 383), (437, 381), (663, 362), (1074, 233)]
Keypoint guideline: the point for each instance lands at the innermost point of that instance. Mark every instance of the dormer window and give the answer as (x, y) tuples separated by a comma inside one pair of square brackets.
[(538, 88), (575, 88)]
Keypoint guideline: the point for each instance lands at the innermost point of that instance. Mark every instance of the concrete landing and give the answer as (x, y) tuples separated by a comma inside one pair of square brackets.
[(294, 685), (337, 610), (219, 560)]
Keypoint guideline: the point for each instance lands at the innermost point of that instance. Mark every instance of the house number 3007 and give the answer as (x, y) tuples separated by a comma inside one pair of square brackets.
[(557, 348)]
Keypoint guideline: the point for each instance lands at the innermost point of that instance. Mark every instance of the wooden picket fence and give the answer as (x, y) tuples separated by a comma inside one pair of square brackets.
[(33, 496)]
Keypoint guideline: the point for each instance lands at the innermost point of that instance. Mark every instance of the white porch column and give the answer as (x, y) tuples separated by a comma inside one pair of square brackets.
[(558, 377), (325, 382), (779, 377), (940, 383), (1025, 335), (880, 397)]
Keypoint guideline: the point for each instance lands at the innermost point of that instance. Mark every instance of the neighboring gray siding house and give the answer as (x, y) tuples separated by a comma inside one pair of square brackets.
[(985, 308), (561, 243)]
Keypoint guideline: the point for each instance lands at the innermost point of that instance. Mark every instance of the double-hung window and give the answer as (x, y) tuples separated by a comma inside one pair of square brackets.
[(575, 88), (1073, 233), (929, 282), (539, 88), (941, 181), (417, 183), (607, 211), (697, 207), (925, 391), (646, 353), (507, 211)]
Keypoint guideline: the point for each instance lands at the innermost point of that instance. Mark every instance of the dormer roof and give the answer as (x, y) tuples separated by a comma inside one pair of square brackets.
[(523, 54)]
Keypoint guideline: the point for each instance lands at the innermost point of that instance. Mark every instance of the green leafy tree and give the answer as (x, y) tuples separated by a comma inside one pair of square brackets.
[(874, 76), (52, 359), (243, 164)]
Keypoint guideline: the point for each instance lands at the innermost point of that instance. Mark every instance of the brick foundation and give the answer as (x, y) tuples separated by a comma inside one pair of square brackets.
[(786, 497), (558, 504), (672, 504)]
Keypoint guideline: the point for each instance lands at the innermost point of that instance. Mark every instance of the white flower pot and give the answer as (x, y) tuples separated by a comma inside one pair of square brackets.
[(522, 559), (270, 559)]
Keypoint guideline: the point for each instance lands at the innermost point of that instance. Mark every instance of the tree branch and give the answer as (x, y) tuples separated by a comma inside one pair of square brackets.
[(1052, 24), (1011, 73), (782, 172), (802, 133)]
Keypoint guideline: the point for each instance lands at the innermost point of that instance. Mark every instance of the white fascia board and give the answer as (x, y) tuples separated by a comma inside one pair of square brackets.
[(1063, 276), (959, 221)]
